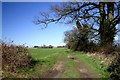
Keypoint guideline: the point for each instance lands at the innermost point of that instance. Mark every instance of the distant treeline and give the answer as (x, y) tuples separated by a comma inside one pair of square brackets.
[(60, 46), (50, 46)]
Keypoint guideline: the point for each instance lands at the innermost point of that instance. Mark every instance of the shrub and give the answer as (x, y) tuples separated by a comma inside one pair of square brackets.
[(114, 68), (14, 57)]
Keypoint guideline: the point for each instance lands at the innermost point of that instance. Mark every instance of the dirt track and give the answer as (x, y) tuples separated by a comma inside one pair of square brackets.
[(58, 69), (85, 72)]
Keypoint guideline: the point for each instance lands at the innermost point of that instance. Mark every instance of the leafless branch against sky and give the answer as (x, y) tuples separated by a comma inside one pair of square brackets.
[(59, 0)]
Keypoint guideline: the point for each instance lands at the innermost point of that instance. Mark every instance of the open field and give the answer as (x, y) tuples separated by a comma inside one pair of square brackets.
[(58, 63), (61, 63), (44, 52)]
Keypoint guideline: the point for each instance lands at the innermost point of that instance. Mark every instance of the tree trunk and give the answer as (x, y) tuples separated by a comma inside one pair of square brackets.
[(110, 27), (102, 24), (107, 28)]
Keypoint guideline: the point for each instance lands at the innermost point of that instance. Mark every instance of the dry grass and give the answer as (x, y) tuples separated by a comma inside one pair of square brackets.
[(106, 60)]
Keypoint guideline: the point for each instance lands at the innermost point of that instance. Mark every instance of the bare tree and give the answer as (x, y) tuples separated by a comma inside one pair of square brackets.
[(94, 14)]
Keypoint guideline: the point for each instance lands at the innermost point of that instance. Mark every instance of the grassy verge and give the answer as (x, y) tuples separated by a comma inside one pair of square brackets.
[(92, 63), (40, 68), (70, 69)]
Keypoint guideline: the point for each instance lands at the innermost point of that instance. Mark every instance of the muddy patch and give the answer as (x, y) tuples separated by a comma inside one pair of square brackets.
[(56, 71)]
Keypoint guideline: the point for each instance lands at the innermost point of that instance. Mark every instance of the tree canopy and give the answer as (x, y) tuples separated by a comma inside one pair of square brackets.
[(102, 17)]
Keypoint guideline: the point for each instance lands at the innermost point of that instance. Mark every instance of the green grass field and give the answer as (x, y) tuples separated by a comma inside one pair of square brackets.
[(47, 58), (44, 52)]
